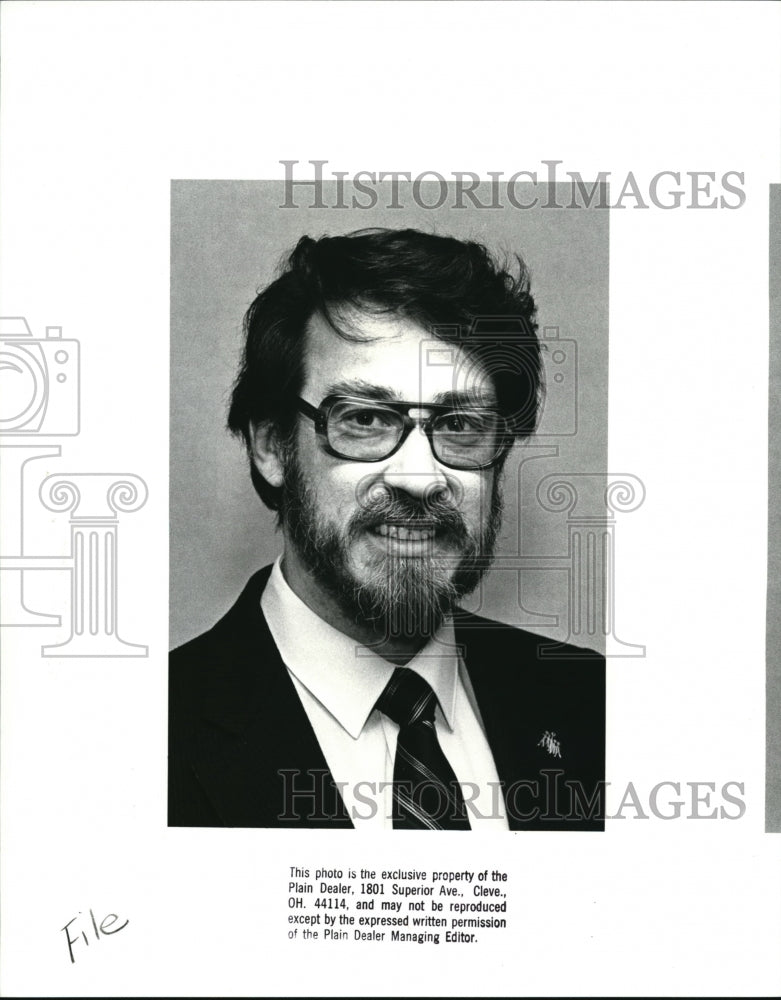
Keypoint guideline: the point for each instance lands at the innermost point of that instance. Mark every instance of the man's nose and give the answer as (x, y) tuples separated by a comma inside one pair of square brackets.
[(415, 470)]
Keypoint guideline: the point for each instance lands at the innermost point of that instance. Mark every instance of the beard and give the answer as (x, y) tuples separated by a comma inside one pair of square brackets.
[(396, 595)]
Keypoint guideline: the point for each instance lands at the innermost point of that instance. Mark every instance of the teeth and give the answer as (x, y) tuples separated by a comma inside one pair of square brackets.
[(403, 534)]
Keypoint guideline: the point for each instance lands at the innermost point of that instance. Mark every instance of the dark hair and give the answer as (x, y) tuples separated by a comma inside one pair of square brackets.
[(455, 289)]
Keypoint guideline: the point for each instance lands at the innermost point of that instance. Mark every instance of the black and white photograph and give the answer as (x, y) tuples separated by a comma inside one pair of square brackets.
[(388, 452), (386, 525)]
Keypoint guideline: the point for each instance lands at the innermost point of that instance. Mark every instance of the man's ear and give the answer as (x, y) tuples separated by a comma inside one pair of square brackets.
[(266, 453)]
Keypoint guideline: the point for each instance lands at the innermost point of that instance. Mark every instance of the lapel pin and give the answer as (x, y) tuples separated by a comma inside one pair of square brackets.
[(551, 744)]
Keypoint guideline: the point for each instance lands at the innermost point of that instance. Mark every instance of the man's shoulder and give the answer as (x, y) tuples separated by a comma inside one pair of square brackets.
[(239, 622), (226, 664), (490, 636), (512, 664), (194, 649)]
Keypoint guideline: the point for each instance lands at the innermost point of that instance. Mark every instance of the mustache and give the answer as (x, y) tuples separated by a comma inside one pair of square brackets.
[(401, 508)]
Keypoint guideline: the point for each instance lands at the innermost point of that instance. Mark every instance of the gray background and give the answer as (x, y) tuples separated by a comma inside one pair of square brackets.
[(773, 763), (226, 240)]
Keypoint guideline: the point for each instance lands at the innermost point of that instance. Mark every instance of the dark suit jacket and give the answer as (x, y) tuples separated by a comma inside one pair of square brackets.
[(243, 753)]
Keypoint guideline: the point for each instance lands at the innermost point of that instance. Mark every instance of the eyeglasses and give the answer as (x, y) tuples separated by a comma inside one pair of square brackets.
[(364, 430)]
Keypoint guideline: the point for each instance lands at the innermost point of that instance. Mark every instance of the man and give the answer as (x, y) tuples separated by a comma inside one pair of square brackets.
[(385, 377)]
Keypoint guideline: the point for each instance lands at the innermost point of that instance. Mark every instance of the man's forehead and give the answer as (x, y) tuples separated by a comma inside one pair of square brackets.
[(351, 324), (390, 355)]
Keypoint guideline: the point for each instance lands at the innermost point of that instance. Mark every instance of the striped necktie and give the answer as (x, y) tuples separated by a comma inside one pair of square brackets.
[(426, 793)]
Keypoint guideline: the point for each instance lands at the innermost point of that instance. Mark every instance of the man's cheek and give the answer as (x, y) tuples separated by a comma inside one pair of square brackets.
[(339, 493), (475, 511)]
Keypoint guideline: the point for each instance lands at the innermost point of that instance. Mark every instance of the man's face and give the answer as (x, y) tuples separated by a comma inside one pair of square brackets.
[(394, 542)]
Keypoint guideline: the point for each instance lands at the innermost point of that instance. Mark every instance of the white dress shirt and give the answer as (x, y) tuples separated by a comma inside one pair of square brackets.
[(339, 681)]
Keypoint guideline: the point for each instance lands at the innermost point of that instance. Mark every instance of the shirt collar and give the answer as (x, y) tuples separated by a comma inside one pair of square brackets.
[(346, 677)]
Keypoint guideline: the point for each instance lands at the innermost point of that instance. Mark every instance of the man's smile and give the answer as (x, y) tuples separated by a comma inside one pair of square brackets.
[(405, 538), (404, 532)]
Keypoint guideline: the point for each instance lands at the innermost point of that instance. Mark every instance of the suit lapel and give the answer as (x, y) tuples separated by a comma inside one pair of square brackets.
[(545, 723), (505, 704), (258, 758)]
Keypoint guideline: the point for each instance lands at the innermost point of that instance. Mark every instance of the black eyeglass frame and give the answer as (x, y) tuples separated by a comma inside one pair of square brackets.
[(319, 416)]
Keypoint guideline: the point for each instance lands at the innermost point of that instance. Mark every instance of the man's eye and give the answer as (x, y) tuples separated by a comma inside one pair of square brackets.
[(367, 419), (459, 423)]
